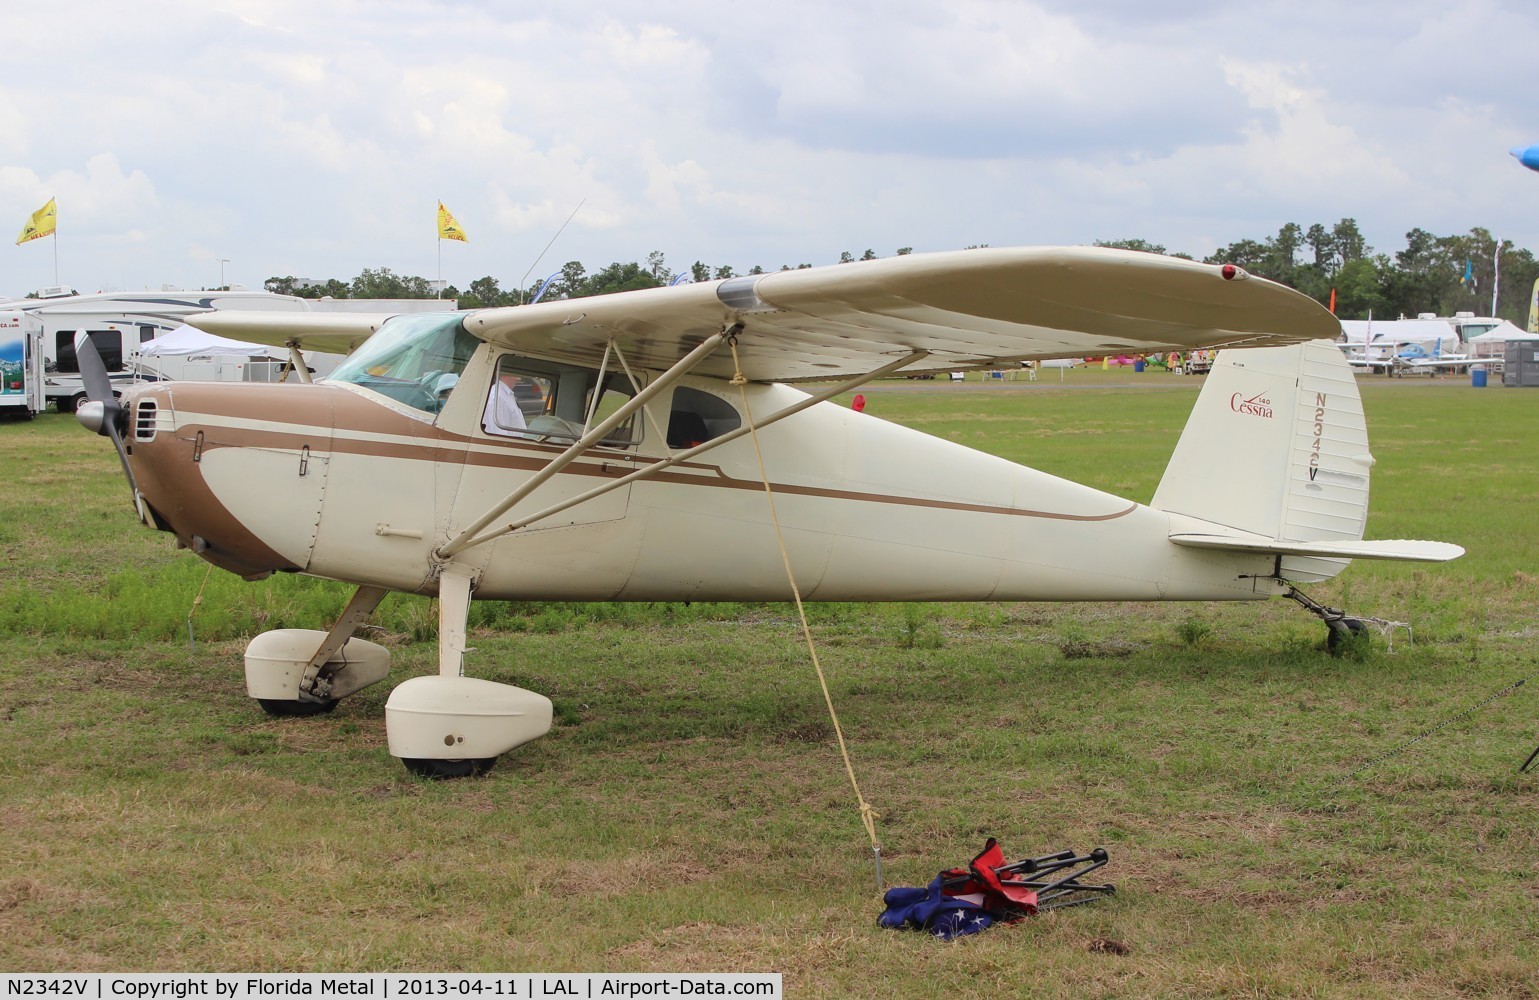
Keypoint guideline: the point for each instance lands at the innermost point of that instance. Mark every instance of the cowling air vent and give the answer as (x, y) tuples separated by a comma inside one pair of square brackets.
[(144, 421)]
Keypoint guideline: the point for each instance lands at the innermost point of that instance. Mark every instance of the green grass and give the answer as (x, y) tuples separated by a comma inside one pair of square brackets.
[(689, 810)]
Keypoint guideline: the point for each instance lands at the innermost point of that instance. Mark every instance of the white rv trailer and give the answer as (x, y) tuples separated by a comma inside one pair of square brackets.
[(21, 367), (119, 324)]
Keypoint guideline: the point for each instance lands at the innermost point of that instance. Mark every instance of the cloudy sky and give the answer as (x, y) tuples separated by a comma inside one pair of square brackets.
[(314, 138)]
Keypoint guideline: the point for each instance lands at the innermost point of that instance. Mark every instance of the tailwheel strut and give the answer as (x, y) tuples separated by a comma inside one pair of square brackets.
[(1342, 627)]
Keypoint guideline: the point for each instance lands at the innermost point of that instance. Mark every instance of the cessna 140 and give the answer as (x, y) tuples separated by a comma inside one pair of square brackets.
[(594, 449)]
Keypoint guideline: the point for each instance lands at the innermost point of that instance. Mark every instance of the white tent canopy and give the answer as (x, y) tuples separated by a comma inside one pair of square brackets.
[(1503, 332), (1383, 332), (186, 340), (1493, 343)]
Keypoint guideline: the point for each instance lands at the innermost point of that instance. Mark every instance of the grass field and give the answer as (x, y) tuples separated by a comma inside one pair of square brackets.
[(689, 811)]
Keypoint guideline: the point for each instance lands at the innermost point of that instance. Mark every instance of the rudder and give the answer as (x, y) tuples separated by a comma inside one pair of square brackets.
[(1276, 446)]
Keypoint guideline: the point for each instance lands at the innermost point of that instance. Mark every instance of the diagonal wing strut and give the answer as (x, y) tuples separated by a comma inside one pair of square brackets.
[(596, 434), (470, 536)]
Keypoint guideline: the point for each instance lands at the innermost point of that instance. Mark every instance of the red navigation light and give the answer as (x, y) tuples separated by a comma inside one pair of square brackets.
[(1229, 271)]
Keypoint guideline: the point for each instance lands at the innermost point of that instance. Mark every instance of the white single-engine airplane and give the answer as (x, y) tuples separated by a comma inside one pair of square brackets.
[(606, 449), (1402, 357)]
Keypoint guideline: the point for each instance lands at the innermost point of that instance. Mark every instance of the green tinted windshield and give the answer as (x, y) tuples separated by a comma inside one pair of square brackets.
[(414, 359)]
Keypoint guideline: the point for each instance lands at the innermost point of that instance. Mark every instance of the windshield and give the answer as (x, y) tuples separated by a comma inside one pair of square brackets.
[(415, 360)]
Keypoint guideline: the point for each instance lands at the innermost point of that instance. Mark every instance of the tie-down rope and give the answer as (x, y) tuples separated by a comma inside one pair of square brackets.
[(868, 815)]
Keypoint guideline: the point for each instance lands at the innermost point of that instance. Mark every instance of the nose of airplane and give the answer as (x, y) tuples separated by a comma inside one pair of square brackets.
[(235, 471)]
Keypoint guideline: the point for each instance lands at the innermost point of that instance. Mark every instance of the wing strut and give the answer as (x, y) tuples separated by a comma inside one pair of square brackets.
[(301, 370), (677, 457), (681, 368)]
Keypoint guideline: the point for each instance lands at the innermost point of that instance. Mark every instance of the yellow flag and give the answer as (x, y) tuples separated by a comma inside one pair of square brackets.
[(43, 222), (449, 227)]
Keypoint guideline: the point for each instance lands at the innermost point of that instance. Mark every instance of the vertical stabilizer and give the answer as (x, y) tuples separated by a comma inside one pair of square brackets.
[(1276, 446)]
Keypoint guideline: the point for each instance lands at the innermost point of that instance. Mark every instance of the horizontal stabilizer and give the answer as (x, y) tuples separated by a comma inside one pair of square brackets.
[(1410, 550)]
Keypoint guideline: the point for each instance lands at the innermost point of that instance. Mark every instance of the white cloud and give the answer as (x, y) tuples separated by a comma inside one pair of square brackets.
[(102, 198), (1306, 146), (295, 137)]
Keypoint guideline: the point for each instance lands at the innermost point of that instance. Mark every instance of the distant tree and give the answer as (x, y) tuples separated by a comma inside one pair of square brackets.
[(618, 277), (724, 272), (657, 268), (1242, 253), (846, 257), (868, 255), (1322, 247), (699, 271), (386, 284), (905, 251), (573, 283), (1143, 246), (482, 293), (1360, 288), (1349, 243), (330, 288)]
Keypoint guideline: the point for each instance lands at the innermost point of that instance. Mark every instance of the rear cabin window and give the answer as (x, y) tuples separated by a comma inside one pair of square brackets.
[(547, 401), (697, 416), (109, 344)]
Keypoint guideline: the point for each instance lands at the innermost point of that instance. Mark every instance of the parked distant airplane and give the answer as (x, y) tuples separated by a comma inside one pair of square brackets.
[(1411, 356)]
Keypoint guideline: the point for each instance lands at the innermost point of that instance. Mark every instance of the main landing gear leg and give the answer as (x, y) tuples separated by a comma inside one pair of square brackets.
[(301, 671), (1340, 625), (450, 725)]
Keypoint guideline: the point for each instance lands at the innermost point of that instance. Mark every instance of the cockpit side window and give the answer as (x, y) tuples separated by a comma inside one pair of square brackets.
[(547, 401), (519, 398), (415, 359), (697, 416)]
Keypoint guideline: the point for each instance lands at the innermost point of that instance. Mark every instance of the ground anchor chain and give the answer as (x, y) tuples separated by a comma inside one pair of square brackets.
[(1342, 626)]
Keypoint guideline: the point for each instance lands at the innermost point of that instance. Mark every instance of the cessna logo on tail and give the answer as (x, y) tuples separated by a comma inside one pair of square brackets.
[(1256, 406)]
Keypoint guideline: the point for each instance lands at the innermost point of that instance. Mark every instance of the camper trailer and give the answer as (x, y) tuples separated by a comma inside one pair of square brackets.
[(117, 323), (21, 367), (121, 324)]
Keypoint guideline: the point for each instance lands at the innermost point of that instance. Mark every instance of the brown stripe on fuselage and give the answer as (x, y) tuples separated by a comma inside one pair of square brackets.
[(343, 411), (172, 483)]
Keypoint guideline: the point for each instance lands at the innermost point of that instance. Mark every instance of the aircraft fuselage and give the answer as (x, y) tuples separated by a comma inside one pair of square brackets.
[(339, 482)]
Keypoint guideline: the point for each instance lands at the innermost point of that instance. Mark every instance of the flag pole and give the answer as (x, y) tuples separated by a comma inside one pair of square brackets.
[(1496, 275)]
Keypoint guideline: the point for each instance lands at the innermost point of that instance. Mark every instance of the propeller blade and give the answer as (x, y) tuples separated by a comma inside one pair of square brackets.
[(92, 372), (103, 414)]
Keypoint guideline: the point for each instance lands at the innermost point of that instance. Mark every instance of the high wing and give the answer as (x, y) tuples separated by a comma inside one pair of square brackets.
[(1448, 362), (330, 333), (968, 308)]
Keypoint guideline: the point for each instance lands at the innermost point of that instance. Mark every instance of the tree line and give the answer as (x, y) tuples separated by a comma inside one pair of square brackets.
[(1433, 274)]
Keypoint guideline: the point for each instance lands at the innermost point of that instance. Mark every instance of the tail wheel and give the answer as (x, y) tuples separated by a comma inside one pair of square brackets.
[(1341, 631), (295, 709), (442, 770)]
